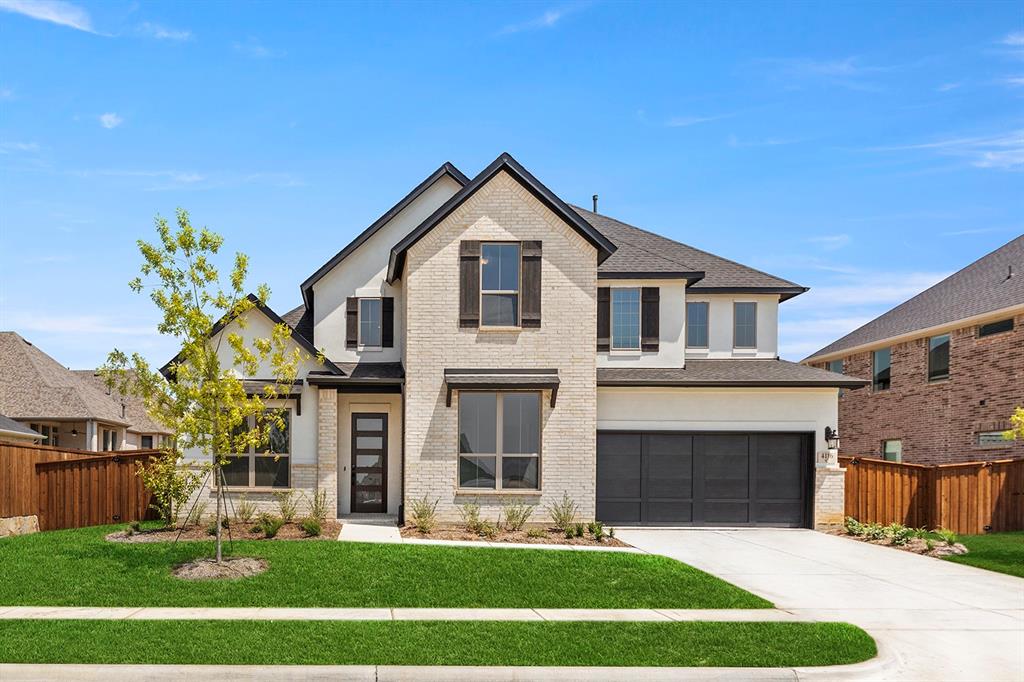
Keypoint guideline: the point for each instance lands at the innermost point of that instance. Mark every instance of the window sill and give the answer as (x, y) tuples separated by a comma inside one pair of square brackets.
[(629, 352), (247, 489), (369, 349), (490, 492), (505, 330), (943, 380)]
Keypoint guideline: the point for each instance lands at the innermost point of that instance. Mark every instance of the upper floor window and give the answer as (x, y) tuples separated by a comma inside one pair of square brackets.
[(938, 357), (835, 366), (892, 450), (370, 322), (499, 440), (745, 325), (881, 364), (499, 285), (697, 324), (626, 318), (995, 327), (991, 439), (146, 442)]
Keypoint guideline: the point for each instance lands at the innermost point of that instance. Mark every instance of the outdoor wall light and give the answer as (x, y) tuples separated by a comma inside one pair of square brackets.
[(832, 438)]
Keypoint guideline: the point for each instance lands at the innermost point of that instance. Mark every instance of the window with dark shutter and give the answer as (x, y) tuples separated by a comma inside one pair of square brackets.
[(531, 285), (604, 319), (469, 283), (650, 310), (387, 322), (352, 322)]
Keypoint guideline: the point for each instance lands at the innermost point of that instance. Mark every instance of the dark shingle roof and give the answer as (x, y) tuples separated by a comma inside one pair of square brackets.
[(640, 251), (727, 373), (14, 428), (301, 322), (982, 287)]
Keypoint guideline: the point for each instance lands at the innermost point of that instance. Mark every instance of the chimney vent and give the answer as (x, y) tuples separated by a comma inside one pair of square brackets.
[(595, 203)]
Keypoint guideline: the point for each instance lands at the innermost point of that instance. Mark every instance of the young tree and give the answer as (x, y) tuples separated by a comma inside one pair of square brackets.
[(1016, 431), (202, 400)]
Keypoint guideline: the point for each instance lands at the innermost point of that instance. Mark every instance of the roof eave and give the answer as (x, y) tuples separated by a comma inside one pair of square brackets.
[(785, 293), (691, 277), (668, 383)]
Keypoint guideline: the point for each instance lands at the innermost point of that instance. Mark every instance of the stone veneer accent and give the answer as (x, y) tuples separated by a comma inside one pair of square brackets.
[(502, 210), (327, 446), (829, 497)]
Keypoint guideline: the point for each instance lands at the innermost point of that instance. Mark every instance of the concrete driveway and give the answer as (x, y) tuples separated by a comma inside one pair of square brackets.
[(943, 621)]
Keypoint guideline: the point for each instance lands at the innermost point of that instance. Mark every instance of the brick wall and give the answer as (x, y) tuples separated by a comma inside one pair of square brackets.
[(501, 210), (937, 421), (303, 480)]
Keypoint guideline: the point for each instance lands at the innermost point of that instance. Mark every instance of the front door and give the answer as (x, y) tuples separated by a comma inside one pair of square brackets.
[(369, 462)]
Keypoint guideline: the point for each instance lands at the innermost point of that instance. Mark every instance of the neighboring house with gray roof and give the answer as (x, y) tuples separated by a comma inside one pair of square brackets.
[(69, 409), (947, 368), (485, 339), (12, 430)]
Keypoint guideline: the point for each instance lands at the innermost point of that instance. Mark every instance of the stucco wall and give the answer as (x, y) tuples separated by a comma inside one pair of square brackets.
[(501, 210), (671, 322), (720, 326)]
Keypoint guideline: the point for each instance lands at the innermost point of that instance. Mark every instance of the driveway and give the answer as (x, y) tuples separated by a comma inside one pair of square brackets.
[(943, 621)]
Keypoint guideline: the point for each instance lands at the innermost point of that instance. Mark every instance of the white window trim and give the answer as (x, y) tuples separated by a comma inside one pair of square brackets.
[(899, 457), (517, 292), (252, 455), (747, 349), (686, 323), (499, 447), (617, 350), (359, 324)]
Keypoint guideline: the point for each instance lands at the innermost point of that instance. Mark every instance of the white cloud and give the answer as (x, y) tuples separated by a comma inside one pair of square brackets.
[(10, 147), (1004, 151), (1015, 39), (110, 120), (53, 11), (686, 121), (848, 72), (549, 19), (831, 242), (972, 231), (946, 87), (162, 32), (252, 47), (6, 93), (735, 141), (1013, 81)]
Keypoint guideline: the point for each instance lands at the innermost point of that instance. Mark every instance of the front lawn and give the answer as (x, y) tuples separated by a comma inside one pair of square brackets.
[(434, 643), (1002, 552), (79, 568)]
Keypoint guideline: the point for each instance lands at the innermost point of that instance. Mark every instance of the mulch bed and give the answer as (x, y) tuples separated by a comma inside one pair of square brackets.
[(239, 531), (553, 537), (231, 568), (916, 545)]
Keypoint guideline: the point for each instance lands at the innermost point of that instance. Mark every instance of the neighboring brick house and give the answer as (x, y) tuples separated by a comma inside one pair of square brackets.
[(487, 341), (947, 369)]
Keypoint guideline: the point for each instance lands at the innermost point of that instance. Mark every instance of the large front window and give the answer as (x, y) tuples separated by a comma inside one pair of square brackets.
[(266, 466), (369, 322), (499, 285), (499, 440), (626, 318)]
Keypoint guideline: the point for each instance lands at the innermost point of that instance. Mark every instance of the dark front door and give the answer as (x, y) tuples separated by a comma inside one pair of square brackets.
[(369, 462), (704, 479)]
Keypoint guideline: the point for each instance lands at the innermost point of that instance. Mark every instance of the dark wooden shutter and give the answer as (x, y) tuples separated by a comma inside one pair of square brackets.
[(387, 322), (469, 283), (352, 322), (530, 287), (649, 318), (604, 319)]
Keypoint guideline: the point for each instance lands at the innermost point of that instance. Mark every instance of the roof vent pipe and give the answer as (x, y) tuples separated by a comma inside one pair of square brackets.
[(1009, 271), (595, 203)]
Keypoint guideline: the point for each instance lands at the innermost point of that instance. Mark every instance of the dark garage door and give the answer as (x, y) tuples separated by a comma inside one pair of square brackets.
[(703, 479)]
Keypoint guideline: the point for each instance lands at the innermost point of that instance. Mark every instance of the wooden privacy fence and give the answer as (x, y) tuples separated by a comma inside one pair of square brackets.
[(969, 498), (72, 488)]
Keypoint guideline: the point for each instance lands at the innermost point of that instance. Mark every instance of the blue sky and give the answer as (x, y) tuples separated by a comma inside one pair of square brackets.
[(865, 151)]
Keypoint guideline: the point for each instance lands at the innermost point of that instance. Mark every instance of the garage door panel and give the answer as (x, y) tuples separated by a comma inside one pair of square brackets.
[(779, 513), (668, 511), (669, 466), (619, 474), (618, 512), (779, 467), (717, 512)]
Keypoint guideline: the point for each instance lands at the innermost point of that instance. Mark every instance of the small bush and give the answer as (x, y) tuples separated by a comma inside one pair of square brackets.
[(899, 534), (596, 528), (269, 525), (211, 528), (580, 530), (516, 514), (318, 506), (423, 514), (947, 536), (929, 544), (470, 513), (536, 533), (570, 533), (195, 516), (488, 530), (853, 526), (563, 514), (874, 531), (244, 510), (311, 527), (286, 504)]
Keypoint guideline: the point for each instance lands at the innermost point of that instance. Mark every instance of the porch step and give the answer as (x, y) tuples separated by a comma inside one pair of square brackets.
[(369, 528)]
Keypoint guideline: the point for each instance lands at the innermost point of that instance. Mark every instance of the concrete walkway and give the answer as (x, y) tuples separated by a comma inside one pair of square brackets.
[(941, 620), (369, 528)]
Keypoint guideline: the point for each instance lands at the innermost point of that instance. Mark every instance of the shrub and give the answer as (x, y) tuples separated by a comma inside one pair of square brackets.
[(947, 536), (311, 527), (596, 529), (874, 531), (423, 514), (899, 534), (172, 485), (536, 533), (929, 544), (135, 527), (269, 525), (318, 506), (211, 528), (580, 530), (563, 514), (488, 530), (244, 510), (516, 514), (853, 526), (470, 513), (570, 533), (286, 504), (196, 515)]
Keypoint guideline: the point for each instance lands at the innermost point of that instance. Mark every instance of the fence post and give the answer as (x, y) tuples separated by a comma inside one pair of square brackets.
[(933, 508)]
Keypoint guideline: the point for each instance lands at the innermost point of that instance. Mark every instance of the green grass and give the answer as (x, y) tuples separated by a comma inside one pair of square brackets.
[(434, 643), (1002, 552), (79, 568)]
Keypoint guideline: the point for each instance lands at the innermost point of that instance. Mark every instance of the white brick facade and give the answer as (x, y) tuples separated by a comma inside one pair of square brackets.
[(829, 497), (566, 340)]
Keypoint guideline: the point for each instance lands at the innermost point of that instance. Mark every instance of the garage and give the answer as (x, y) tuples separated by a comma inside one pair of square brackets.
[(704, 479)]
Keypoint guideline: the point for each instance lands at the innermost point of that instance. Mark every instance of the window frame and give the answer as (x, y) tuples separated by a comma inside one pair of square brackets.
[(928, 368), (735, 304), (110, 440), (981, 327), (639, 320), (142, 441), (50, 431), (874, 371), (252, 454), (518, 292), (359, 323), (707, 324), (499, 445), (899, 454), (1003, 443)]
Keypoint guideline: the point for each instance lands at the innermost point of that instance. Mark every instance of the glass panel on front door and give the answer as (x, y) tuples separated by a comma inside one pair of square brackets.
[(369, 463)]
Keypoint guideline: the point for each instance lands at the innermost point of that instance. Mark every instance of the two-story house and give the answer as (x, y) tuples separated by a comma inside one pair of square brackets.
[(487, 341), (947, 369)]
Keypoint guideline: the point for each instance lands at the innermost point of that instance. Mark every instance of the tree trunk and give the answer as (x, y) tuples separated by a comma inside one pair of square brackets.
[(220, 494)]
